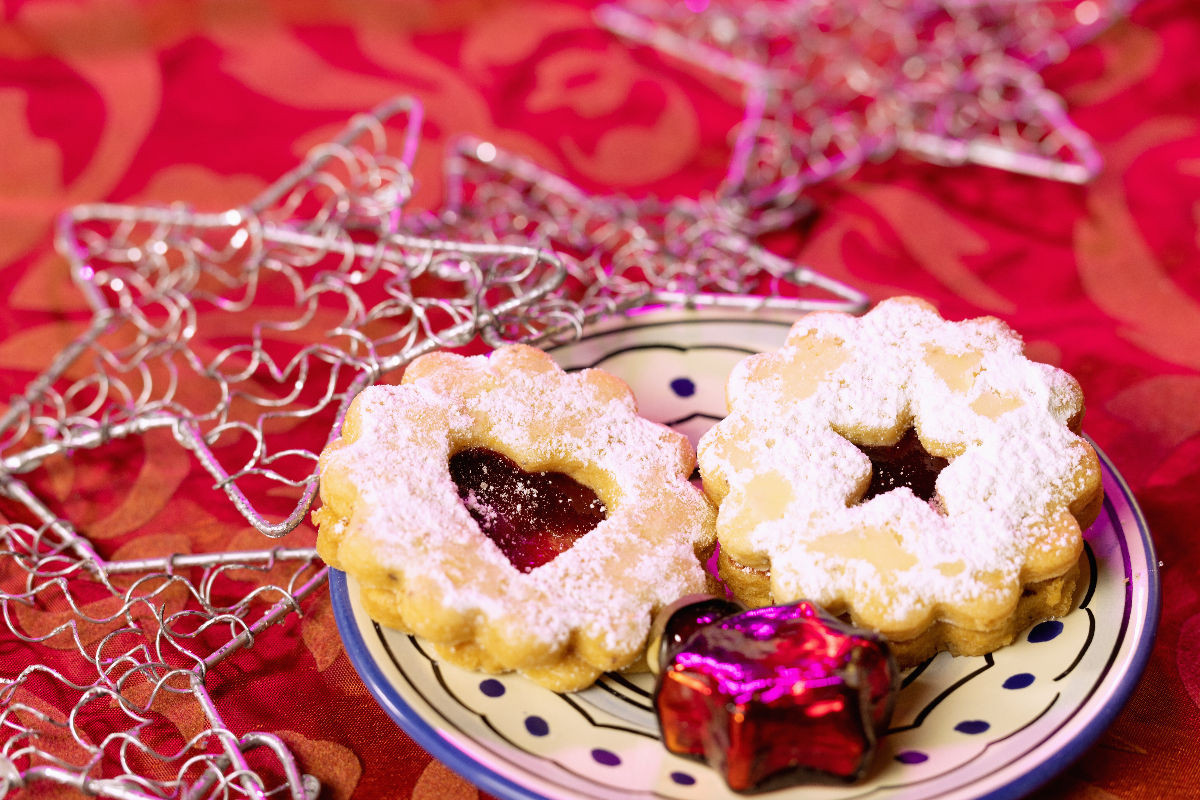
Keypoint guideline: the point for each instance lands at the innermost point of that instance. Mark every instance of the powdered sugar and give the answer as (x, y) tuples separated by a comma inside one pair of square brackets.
[(999, 518), (407, 518)]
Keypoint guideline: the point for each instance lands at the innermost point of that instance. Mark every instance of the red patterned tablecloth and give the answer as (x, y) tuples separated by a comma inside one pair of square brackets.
[(153, 103)]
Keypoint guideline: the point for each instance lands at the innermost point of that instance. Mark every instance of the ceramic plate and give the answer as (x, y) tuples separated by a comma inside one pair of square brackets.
[(995, 726)]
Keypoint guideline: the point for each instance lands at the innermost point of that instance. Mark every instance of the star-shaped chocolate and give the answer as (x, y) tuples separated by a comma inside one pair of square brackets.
[(829, 86), (772, 696)]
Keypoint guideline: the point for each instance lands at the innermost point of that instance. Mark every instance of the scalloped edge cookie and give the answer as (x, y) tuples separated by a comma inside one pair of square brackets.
[(392, 517), (996, 549)]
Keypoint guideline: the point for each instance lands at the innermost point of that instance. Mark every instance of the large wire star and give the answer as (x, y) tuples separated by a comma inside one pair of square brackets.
[(831, 84), (236, 335)]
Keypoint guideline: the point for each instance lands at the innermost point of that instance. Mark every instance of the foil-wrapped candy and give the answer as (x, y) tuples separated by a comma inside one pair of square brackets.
[(773, 696)]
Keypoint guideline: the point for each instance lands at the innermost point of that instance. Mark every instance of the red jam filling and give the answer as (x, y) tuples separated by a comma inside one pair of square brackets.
[(905, 463), (532, 516), (777, 696)]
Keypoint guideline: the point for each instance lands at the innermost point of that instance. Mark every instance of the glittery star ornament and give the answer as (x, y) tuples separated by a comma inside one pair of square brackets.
[(772, 696)]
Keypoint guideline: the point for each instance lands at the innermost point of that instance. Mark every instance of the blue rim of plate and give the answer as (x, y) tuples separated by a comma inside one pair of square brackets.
[(1104, 716), (407, 717), (424, 732)]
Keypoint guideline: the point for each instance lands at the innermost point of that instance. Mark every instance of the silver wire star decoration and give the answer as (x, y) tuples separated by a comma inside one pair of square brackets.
[(231, 331), (832, 84)]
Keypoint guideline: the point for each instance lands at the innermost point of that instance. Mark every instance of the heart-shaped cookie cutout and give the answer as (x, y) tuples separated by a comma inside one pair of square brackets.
[(533, 517)]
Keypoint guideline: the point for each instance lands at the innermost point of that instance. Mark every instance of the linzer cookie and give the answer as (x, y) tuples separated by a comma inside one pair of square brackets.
[(920, 476), (516, 516)]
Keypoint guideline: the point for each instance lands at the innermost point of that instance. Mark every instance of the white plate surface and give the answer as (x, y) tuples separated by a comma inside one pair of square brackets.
[(995, 726)]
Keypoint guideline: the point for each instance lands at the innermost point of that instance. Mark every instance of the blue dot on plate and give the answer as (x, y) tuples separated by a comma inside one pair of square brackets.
[(491, 687), (972, 726), (682, 778), (911, 757), (1018, 681), (606, 757), (683, 387), (537, 726), (1045, 631)]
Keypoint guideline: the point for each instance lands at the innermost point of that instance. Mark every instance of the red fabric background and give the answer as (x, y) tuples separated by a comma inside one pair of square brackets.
[(209, 102)]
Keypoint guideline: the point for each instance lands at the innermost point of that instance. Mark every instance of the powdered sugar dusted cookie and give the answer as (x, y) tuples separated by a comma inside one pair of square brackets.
[(434, 498), (919, 475)]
